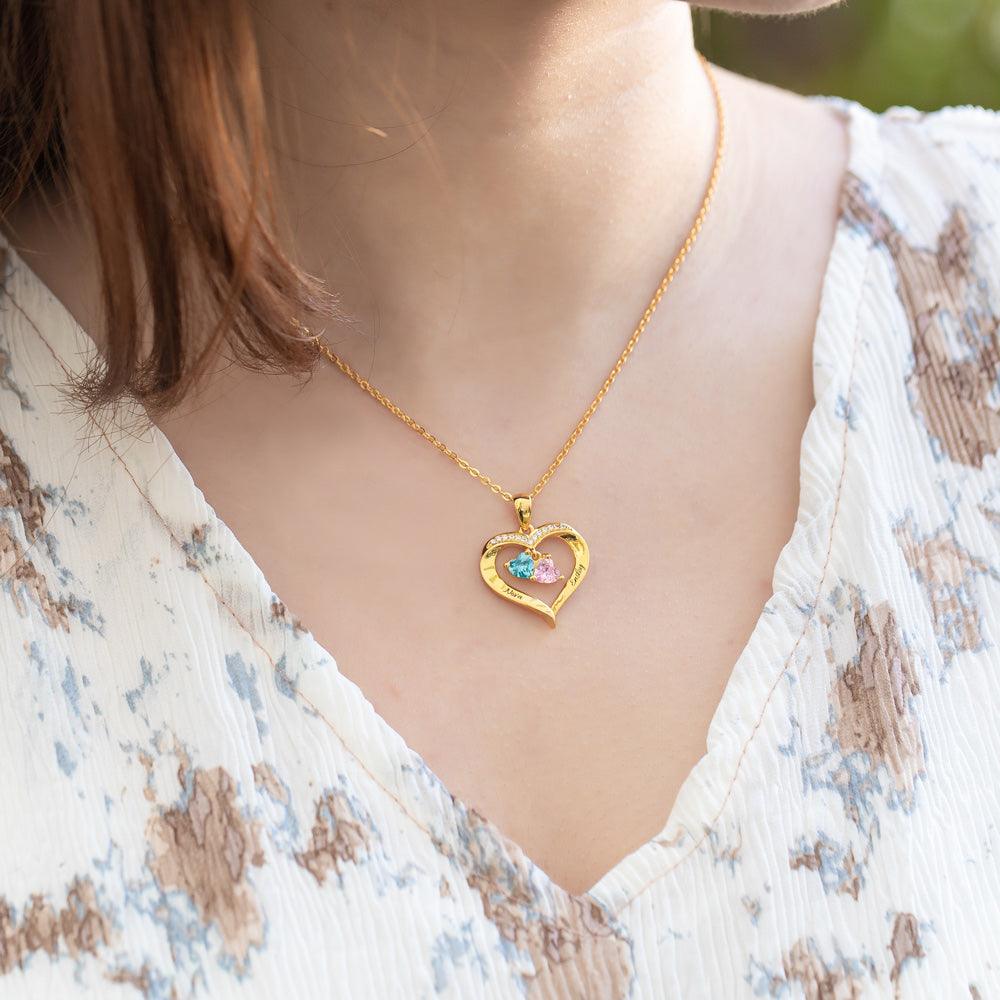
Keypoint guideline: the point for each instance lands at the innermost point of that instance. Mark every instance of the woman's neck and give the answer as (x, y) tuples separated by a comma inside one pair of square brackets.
[(481, 179)]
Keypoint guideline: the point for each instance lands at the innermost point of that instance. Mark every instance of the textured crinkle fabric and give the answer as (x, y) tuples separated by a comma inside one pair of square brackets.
[(196, 803)]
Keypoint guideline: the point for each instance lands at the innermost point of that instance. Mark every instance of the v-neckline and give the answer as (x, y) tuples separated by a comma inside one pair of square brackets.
[(401, 771)]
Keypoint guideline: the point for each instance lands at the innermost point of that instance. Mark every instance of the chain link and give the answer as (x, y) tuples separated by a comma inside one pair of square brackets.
[(668, 278)]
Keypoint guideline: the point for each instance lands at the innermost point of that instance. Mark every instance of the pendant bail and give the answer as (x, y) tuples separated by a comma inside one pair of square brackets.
[(522, 504)]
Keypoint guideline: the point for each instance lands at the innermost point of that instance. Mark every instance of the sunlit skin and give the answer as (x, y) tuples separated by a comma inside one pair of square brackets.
[(495, 189)]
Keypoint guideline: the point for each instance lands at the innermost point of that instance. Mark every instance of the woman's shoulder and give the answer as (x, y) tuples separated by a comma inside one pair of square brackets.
[(939, 157), (922, 199), (968, 130), (925, 187), (63, 496)]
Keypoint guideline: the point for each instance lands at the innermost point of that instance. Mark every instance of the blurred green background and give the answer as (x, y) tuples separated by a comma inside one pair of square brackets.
[(925, 53)]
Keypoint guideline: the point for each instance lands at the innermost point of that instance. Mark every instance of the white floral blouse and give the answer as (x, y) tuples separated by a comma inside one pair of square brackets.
[(194, 802)]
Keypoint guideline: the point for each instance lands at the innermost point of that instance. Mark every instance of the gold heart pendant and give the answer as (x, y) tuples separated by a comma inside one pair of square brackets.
[(532, 564)]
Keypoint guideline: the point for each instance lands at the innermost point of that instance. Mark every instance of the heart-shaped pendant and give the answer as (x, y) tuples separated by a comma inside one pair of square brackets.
[(531, 564)]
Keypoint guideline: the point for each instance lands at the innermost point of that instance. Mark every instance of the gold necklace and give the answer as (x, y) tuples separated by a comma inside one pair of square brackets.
[(531, 563)]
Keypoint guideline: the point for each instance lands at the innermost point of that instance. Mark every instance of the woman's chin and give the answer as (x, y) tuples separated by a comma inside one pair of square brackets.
[(771, 6)]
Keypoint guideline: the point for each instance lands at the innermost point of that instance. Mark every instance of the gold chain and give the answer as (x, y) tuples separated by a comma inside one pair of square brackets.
[(675, 266)]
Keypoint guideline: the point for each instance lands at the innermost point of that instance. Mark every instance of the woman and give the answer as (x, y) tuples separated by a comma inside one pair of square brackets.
[(264, 730)]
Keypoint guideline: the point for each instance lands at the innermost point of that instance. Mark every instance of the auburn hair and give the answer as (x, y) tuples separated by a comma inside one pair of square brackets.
[(151, 116)]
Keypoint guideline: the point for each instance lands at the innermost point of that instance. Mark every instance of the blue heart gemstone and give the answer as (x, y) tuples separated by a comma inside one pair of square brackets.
[(522, 566)]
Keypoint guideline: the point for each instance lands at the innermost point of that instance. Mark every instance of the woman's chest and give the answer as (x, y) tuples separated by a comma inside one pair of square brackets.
[(236, 807), (234, 797), (573, 740)]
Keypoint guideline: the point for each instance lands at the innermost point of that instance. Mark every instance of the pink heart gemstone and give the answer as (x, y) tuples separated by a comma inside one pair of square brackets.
[(545, 571)]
